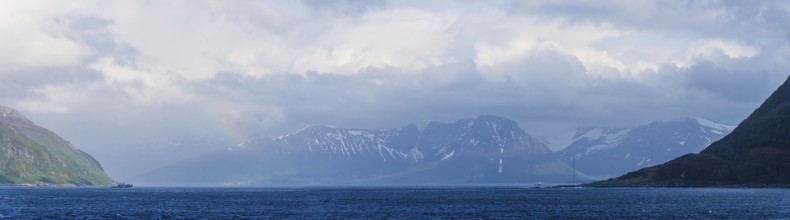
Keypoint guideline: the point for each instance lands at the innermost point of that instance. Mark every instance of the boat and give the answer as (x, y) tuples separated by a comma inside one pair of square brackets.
[(538, 185), (122, 185)]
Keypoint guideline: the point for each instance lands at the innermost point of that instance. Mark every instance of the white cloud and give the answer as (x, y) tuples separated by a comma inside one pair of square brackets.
[(56, 99), (406, 38), (39, 106), (708, 49), (30, 41), (269, 66), (195, 40), (144, 86)]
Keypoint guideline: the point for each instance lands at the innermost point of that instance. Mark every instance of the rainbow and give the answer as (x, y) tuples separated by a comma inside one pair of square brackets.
[(217, 119)]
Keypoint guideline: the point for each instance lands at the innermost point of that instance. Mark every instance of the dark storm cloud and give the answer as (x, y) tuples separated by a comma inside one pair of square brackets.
[(376, 97), (540, 90), (738, 85)]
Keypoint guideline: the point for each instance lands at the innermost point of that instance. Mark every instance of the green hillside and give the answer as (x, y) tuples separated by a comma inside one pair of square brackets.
[(30, 154)]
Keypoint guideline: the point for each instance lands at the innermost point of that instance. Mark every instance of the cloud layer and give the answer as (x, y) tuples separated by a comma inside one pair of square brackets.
[(147, 75)]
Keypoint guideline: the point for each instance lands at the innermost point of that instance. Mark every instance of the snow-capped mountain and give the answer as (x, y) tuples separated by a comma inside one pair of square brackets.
[(606, 152), (485, 132), (387, 145), (755, 154), (485, 149)]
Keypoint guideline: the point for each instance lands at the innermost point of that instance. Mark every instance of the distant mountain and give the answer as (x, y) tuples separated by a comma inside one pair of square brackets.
[(606, 152), (483, 150), (756, 153), (30, 154)]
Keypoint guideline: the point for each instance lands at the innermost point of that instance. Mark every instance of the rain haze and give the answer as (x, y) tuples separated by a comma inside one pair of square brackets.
[(143, 84)]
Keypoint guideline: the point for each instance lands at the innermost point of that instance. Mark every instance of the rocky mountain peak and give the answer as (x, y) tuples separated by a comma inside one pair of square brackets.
[(494, 124), (13, 117), (485, 133), (485, 149)]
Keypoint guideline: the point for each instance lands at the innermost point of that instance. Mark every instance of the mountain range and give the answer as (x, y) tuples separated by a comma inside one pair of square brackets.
[(30, 154), (482, 150), (756, 153), (605, 152)]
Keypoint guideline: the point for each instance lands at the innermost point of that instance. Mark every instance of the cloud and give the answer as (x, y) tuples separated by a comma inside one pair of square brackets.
[(31, 41), (161, 72), (346, 7)]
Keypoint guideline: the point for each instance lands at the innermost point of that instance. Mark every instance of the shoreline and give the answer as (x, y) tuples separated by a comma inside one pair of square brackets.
[(584, 186), (733, 186), (47, 185)]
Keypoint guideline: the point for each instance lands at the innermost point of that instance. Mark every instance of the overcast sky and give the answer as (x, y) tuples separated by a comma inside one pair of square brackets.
[(138, 80)]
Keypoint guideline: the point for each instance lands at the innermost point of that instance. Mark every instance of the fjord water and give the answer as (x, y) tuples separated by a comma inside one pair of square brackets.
[(393, 202)]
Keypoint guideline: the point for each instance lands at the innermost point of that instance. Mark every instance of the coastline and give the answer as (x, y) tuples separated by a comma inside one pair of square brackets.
[(44, 185), (638, 186)]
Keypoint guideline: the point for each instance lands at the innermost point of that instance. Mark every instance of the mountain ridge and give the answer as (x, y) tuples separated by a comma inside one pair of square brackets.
[(486, 149), (756, 153), (30, 154), (612, 151)]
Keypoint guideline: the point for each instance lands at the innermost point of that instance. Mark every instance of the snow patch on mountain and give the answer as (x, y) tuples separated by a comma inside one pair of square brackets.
[(348, 143), (718, 127), (606, 152)]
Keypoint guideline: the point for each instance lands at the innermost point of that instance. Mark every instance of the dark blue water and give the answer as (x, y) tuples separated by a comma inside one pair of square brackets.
[(393, 202)]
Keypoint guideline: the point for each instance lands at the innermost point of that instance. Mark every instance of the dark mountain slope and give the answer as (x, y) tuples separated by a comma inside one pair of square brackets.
[(756, 153)]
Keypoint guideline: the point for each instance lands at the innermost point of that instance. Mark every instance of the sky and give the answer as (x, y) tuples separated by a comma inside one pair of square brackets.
[(140, 84)]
